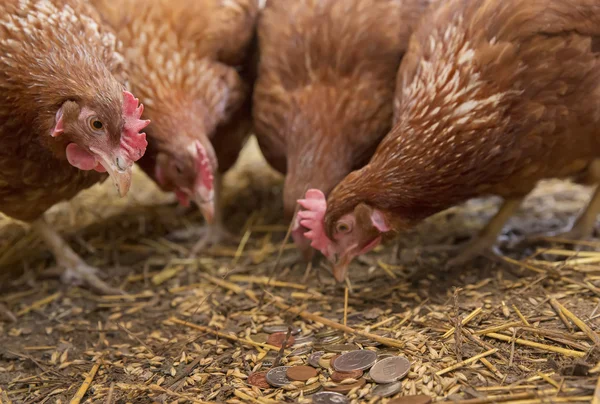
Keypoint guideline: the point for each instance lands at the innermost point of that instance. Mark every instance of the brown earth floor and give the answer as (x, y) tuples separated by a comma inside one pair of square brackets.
[(142, 350)]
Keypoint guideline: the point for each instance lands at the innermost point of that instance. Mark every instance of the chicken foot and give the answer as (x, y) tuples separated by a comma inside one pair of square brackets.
[(76, 271), (488, 237)]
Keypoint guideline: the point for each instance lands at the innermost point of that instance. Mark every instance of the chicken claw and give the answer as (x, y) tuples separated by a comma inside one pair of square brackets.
[(76, 271), (486, 240), (211, 235)]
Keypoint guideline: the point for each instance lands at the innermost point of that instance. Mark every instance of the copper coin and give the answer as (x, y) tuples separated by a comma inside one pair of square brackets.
[(420, 399), (301, 373), (345, 388), (259, 379), (332, 360), (339, 377), (277, 339)]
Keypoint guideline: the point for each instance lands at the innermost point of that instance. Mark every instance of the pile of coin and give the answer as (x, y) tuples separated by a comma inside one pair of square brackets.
[(335, 367)]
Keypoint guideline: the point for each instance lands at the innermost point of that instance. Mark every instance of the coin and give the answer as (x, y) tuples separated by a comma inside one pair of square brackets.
[(329, 397), (261, 338), (331, 339), (313, 359), (332, 360), (355, 360), (311, 388), (339, 377), (259, 379), (268, 360), (277, 339), (325, 333), (420, 399), (389, 370), (301, 373), (340, 348), (301, 351), (277, 376), (271, 329), (304, 340), (388, 390), (345, 388)]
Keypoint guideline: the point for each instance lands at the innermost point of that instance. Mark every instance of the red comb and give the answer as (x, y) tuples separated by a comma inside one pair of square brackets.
[(132, 140), (205, 174), (313, 219)]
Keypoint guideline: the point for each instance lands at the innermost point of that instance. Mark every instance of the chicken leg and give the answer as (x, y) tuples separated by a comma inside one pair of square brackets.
[(584, 225), (76, 270), (489, 235)]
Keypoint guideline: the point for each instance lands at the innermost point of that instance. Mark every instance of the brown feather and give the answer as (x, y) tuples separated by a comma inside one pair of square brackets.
[(323, 98), (492, 97), (50, 52)]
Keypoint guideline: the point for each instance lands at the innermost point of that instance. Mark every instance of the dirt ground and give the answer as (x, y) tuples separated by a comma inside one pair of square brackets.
[(519, 328)]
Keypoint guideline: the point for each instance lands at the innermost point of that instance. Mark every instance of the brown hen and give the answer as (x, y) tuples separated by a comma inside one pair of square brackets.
[(325, 86), (493, 97), (190, 67), (65, 119)]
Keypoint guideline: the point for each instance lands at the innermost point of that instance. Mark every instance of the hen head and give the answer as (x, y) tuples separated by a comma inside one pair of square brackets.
[(103, 135), (353, 234), (188, 172)]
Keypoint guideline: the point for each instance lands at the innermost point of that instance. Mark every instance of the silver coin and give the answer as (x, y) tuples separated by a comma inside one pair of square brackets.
[(331, 339), (301, 351), (309, 339), (387, 390), (355, 360), (329, 397), (389, 370), (271, 329), (326, 333), (276, 377), (313, 359)]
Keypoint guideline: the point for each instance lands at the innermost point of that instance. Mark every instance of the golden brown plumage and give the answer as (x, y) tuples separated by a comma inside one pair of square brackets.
[(64, 115), (189, 66), (326, 78), (492, 97)]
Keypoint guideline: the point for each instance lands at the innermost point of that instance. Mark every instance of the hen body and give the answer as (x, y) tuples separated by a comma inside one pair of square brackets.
[(492, 97), (61, 73), (49, 51), (324, 93), (190, 67)]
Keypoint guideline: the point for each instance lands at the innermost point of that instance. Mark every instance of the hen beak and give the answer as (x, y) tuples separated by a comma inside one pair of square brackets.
[(119, 169), (340, 267), (207, 208)]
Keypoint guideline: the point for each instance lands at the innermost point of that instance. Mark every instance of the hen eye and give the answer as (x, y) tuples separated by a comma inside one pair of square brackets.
[(96, 124), (342, 228), (178, 169)]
